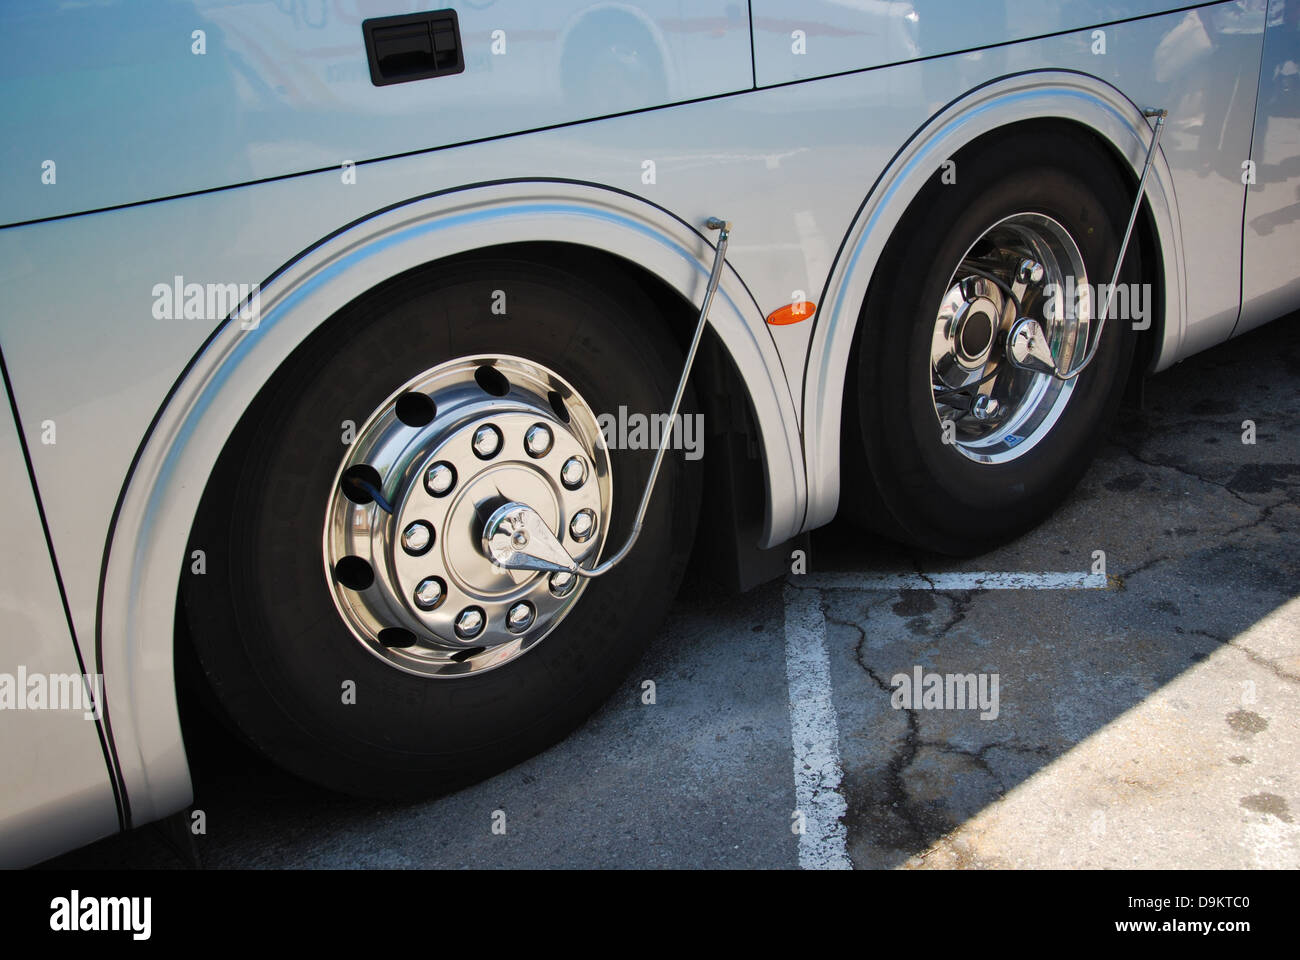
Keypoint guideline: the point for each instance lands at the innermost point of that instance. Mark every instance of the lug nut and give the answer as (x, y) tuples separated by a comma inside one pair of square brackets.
[(469, 623), (574, 473), (520, 617), (487, 441), (429, 593), (1029, 271), (417, 538), (583, 525), (440, 478), (538, 440), (562, 583), (985, 408)]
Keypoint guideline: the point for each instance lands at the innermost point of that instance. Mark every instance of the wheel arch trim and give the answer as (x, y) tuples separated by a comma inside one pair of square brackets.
[(148, 547), (1038, 95)]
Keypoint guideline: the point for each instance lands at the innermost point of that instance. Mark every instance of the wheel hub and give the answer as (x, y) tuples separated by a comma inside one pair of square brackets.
[(999, 410), (974, 325), (463, 518), (404, 549)]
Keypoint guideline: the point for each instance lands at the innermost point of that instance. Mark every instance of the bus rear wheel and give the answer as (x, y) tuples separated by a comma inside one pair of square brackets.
[(947, 445)]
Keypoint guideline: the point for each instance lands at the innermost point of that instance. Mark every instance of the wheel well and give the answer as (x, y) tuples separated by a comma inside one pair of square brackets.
[(1064, 169)]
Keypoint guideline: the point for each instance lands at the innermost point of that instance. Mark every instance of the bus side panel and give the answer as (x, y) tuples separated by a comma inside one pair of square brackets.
[(55, 791), (111, 103), (1271, 259), (799, 39)]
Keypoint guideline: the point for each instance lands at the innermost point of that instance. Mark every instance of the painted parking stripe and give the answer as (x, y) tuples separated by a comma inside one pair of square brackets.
[(1066, 580), (814, 734)]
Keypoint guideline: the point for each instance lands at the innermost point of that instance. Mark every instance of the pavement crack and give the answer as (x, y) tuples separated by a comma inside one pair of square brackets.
[(916, 565), (1143, 567), (919, 827), (1132, 452), (1250, 655), (961, 601), (974, 756), (1265, 515)]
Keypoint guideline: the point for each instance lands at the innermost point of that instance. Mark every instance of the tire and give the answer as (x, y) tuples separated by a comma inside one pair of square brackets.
[(900, 477), (277, 650)]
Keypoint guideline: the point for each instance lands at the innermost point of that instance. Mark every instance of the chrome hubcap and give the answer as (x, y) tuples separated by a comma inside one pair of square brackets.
[(1000, 412), (416, 586)]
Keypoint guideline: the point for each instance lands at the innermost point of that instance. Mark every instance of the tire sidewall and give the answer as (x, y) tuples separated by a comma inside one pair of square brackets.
[(401, 730)]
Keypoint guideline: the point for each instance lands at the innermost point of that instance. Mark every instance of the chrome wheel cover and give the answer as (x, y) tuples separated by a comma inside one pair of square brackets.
[(403, 552), (1000, 412)]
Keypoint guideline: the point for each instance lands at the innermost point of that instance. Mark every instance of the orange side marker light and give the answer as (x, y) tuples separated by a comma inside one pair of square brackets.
[(792, 313)]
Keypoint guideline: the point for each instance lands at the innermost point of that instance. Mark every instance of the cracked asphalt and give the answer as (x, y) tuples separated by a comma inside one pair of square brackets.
[(1152, 723)]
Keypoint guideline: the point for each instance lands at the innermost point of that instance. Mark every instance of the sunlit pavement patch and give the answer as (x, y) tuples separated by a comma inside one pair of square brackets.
[(1189, 776)]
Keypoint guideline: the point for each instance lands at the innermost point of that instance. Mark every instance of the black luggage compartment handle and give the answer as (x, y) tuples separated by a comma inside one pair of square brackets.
[(413, 46)]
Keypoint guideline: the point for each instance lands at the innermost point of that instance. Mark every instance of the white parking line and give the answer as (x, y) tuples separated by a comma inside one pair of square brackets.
[(814, 729), (814, 734), (1067, 580)]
